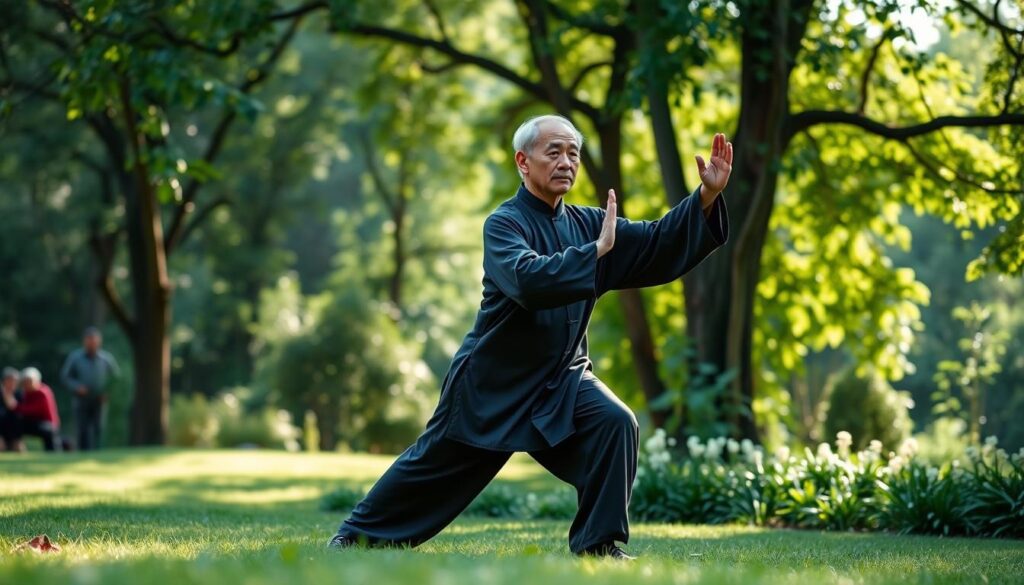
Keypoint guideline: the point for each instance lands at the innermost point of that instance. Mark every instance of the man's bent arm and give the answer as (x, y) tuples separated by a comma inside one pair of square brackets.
[(532, 280)]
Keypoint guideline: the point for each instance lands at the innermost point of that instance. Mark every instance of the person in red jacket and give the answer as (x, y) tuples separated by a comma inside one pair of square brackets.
[(36, 411)]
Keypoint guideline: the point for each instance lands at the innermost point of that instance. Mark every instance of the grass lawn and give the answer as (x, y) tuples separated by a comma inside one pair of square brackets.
[(239, 517)]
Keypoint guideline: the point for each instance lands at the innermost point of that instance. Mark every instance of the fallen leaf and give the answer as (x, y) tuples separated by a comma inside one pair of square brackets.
[(39, 544)]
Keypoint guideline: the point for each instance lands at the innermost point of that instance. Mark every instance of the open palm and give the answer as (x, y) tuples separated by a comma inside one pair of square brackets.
[(715, 175)]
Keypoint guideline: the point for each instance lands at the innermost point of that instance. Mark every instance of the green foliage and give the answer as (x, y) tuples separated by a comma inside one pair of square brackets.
[(225, 422), (921, 501), (340, 355), (722, 481), (982, 350), (867, 407), (193, 422)]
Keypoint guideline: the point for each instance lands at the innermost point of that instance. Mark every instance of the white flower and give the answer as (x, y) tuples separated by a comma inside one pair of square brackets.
[(672, 441), (757, 458), (908, 448), (746, 445), (714, 449), (843, 442), (824, 451), (932, 473), (782, 454), (656, 443), (991, 441), (875, 446), (692, 442), (732, 446), (696, 451), (896, 463)]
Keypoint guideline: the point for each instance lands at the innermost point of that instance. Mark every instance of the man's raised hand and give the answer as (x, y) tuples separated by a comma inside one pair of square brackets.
[(715, 176), (606, 241)]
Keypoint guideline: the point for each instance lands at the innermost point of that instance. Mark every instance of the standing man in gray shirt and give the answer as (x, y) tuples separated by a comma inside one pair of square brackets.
[(86, 373)]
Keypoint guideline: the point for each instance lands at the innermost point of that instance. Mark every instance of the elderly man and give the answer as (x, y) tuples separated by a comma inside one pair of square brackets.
[(522, 380), (86, 374), (36, 410)]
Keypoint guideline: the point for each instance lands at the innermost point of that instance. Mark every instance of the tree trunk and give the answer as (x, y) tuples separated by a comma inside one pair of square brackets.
[(638, 327), (151, 293), (720, 292)]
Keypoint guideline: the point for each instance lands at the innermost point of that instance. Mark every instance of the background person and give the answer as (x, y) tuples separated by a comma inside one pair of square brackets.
[(36, 411), (86, 374)]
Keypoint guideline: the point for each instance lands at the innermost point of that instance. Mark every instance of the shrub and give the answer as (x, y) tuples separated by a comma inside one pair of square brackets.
[(192, 422), (267, 428), (726, 481), (196, 421), (349, 364), (868, 408)]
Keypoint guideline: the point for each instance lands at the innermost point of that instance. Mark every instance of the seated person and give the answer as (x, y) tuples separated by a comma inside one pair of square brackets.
[(36, 410), (9, 425)]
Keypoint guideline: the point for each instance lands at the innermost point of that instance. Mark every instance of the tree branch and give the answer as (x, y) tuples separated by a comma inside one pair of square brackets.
[(803, 120), (464, 58), (299, 11), (375, 174), (432, 8), (992, 21), (202, 215), (590, 22), (175, 233), (958, 176), (169, 35), (582, 73), (865, 78)]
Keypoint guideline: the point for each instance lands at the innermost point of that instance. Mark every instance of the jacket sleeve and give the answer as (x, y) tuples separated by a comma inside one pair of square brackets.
[(115, 368), (649, 253), (530, 279), (33, 405), (67, 375)]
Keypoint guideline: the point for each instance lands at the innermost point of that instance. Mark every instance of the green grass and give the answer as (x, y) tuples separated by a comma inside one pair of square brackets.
[(239, 517)]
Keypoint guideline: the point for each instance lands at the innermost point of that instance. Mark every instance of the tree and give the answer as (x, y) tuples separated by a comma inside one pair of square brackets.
[(774, 38), (125, 71)]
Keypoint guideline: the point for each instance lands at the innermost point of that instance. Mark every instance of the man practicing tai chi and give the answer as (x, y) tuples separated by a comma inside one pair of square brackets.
[(522, 380)]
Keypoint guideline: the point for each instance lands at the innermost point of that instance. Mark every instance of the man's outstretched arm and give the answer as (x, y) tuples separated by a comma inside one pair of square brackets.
[(649, 253)]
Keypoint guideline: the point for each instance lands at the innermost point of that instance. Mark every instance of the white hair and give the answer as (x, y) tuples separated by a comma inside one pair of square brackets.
[(32, 374), (526, 135)]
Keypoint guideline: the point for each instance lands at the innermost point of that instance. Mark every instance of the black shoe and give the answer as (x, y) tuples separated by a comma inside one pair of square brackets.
[(608, 549), (340, 542)]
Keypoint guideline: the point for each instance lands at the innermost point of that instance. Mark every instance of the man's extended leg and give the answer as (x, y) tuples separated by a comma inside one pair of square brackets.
[(599, 459), (90, 413), (423, 491), (83, 423)]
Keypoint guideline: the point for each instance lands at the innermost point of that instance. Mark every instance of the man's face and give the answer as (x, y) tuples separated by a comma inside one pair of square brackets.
[(28, 384), (10, 383), (551, 165), (92, 343)]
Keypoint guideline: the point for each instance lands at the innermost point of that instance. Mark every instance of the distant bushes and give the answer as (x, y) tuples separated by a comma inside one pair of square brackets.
[(867, 407), (723, 481), (223, 422)]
